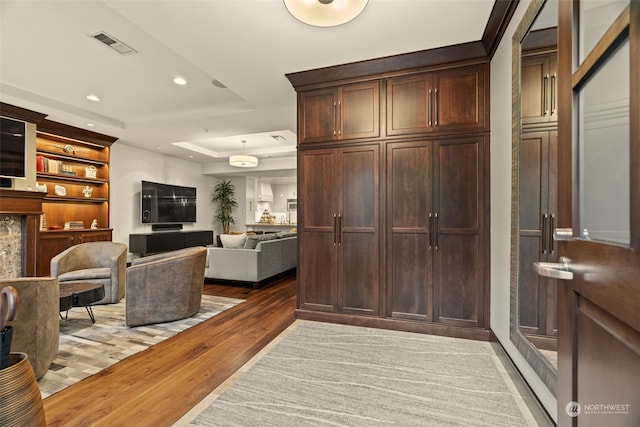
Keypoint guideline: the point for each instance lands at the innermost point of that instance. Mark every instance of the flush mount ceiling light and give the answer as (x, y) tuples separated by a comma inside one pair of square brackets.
[(93, 98), (325, 13), (243, 160)]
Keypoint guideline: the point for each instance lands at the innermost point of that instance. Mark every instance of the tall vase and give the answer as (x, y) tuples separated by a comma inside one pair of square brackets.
[(20, 399)]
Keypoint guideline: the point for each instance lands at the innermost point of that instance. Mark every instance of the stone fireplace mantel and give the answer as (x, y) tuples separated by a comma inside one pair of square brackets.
[(28, 206)]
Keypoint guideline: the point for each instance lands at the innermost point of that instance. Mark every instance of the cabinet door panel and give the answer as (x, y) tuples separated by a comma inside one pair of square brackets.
[(410, 291), (360, 111), (50, 245), (359, 236), (459, 178), (459, 101), (409, 257), (458, 281), (458, 255), (317, 271), (408, 109), (539, 89), (359, 281), (318, 209), (318, 115)]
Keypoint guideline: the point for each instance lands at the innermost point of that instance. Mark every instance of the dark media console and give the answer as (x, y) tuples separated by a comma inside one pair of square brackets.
[(149, 243)]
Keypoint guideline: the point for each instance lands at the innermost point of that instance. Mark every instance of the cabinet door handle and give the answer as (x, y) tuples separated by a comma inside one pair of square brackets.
[(335, 107), (335, 228), (430, 230), (552, 225), (437, 113), (429, 117), (339, 229), (544, 233), (339, 118), (436, 229), (545, 96), (553, 94)]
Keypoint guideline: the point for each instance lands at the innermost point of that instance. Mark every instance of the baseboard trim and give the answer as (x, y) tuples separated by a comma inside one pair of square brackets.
[(477, 334)]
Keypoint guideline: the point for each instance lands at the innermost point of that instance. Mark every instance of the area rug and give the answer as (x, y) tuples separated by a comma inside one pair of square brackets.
[(335, 375), (87, 348)]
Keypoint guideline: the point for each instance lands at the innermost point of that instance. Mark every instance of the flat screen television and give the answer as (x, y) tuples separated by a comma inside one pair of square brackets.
[(167, 204), (13, 143)]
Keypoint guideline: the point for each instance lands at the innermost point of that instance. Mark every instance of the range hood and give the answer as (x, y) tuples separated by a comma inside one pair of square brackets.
[(265, 194)]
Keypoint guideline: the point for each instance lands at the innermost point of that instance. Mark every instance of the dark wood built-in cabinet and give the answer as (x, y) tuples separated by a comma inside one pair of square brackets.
[(339, 257), (444, 101), (539, 83), (149, 243), (538, 182), (74, 166), (340, 113), (393, 200), (435, 223)]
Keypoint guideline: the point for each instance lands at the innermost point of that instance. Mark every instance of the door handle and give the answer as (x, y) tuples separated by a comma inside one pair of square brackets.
[(430, 230), (334, 117), (552, 224), (545, 217), (339, 229), (335, 228), (555, 270), (436, 109), (435, 231), (429, 111), (545, 95)]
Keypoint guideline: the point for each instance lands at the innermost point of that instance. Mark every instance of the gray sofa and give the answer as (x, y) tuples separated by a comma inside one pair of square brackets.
[(269, 258), (165, 287)]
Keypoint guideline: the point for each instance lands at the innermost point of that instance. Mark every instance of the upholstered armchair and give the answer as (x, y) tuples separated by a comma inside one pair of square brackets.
[(165, 287), (97, 262), (36, 326)]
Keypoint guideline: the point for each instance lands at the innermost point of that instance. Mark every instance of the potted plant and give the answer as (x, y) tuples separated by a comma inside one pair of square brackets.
[(224, 194)]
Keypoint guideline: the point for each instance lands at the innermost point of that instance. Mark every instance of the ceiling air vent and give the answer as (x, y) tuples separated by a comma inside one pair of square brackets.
[(113, 43)]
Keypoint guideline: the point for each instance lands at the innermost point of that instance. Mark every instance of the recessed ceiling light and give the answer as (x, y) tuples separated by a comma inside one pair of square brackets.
[(93, 98), (90, 124), (180, 81)]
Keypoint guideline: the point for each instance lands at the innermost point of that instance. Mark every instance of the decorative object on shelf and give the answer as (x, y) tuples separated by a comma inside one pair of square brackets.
[(43, 222), (86, 191), (266, 217), (94, 224), (67, 170), (224, 193), (90, 171), (60, 190), (69, 149), (243, 160), (41, 188), (73, 225), (325, 13)]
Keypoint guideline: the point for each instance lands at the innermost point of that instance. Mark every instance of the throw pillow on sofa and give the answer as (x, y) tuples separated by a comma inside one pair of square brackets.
[(252, 241), (233, 241)]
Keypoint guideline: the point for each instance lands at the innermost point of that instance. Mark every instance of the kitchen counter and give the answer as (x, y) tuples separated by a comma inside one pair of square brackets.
[(270, 227)]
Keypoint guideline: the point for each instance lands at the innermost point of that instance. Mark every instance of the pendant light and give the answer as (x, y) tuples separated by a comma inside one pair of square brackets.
[(243, 160)]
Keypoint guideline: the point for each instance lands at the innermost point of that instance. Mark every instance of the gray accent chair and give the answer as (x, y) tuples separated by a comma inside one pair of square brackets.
[(96, 262), (36, 327), (165, 287)]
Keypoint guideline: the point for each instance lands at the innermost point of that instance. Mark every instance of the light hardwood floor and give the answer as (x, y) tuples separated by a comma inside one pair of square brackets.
[(158, 386)]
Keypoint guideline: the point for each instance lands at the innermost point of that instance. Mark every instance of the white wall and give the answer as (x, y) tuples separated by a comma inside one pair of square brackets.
[(501, 207), (129, 166)]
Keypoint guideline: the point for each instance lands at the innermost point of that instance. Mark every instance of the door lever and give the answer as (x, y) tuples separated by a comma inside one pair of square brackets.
[(555, 270)]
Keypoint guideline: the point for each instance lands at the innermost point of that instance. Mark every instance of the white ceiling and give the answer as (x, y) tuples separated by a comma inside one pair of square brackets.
[(49, 62)]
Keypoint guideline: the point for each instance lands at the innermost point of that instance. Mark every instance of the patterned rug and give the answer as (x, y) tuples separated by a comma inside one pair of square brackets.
[(322, 374), (86, 348)]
